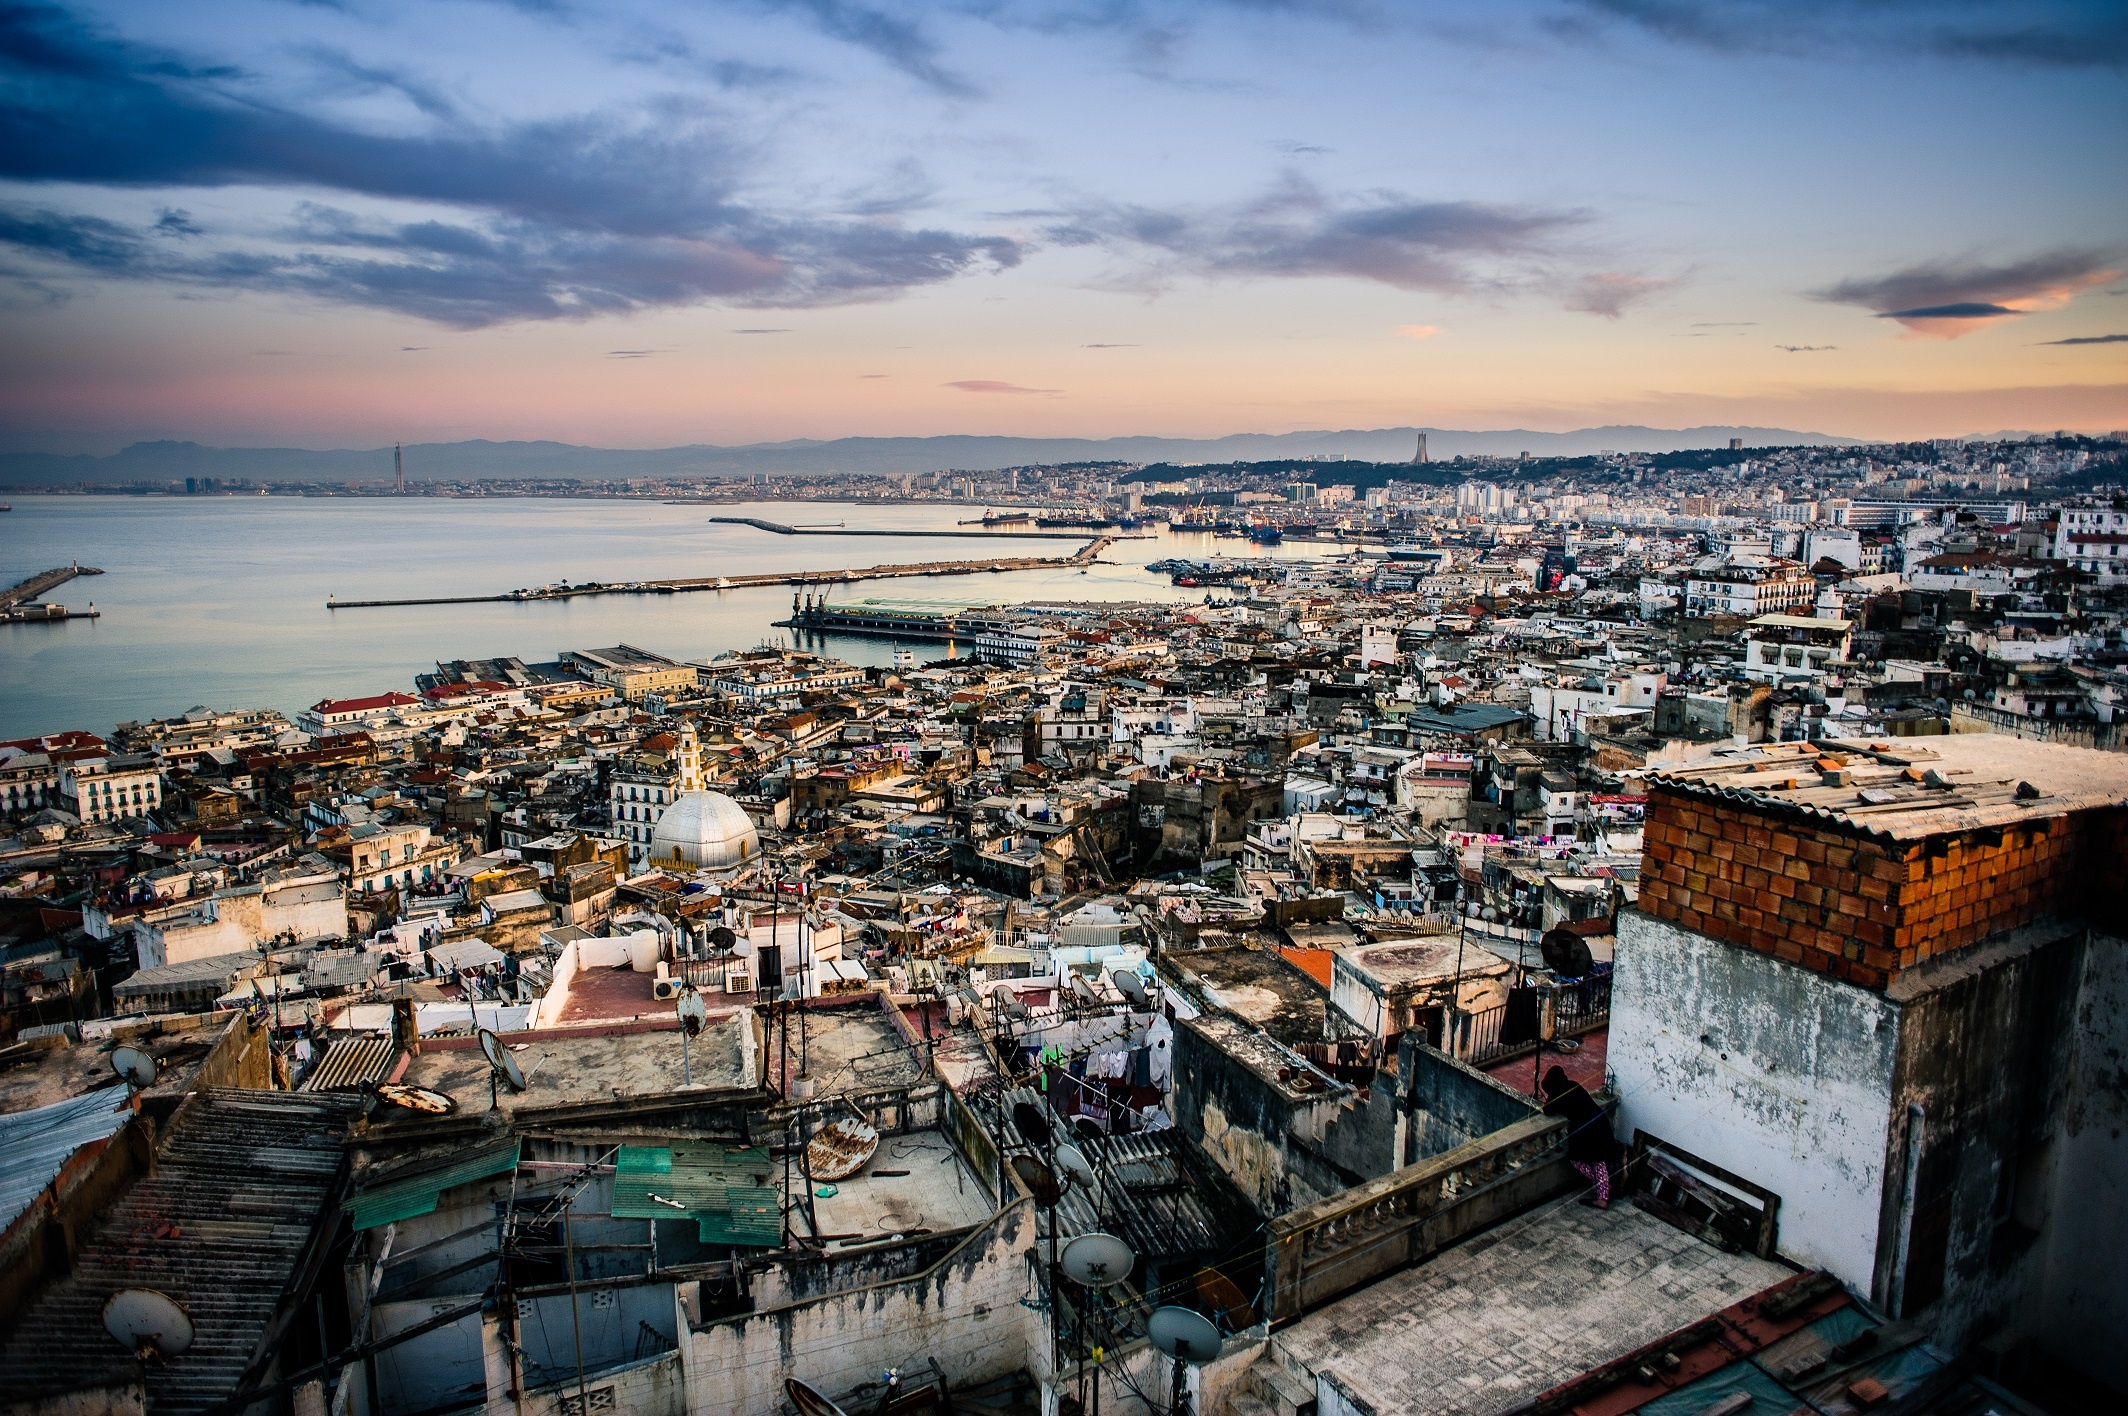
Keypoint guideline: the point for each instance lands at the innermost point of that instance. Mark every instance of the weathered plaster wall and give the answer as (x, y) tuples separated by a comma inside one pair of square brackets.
[(1267, 1141), (1446, 1104), (2079, 1319), (1777, 1073), (965, 1312)]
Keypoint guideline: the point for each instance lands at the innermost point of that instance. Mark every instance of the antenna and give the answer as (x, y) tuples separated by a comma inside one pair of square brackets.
[(1033, 1126), (1129, 985), (1566, 954), (502, 1067), (1041, 1182), (1072, 1166), (136, 1066), (152, 1326)]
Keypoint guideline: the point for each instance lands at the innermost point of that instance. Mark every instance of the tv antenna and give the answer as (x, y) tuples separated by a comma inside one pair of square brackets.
[(1189, 1339), (502, 1067), (152, 1326)]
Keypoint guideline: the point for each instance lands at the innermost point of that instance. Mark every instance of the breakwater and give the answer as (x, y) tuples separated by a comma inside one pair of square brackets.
[(778, 528), (35, 587)]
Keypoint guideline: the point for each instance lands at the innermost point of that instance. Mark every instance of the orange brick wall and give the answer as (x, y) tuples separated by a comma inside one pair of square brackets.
[(1848, 905)]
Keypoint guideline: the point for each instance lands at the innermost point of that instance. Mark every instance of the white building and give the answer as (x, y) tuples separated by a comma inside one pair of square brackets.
[(111, 788), (2091, 539)]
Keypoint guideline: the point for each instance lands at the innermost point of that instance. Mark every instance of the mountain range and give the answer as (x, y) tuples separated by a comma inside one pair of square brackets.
[(481, 458)]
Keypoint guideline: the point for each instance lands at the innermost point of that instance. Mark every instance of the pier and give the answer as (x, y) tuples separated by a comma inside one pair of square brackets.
[(34, 587), (780, 529), (1085, 555)]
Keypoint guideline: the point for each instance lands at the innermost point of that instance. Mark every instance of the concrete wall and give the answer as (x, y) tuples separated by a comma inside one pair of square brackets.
[(1777, 1073), (965, 1311), (2084, 1292), (1446, 1104), (1264, 1140)]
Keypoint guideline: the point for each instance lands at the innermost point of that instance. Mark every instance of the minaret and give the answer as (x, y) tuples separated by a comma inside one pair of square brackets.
[(689, 757), (399, 466)]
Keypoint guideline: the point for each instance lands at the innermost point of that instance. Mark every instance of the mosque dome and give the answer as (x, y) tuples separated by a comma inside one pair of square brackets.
[(707, 830)]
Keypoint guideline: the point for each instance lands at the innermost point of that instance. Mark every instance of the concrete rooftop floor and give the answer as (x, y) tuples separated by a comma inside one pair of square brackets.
[(1519, 1309), (936, 1194)]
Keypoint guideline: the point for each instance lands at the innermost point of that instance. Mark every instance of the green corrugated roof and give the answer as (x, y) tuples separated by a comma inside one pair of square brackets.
[(712, 1184), (417, 1194)]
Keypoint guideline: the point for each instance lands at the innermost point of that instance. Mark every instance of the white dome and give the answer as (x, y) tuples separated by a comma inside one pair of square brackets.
[(706, 830)]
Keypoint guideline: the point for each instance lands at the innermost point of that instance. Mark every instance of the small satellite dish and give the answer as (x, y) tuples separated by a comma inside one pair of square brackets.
[(432, 1103), (1566, 954), (1087, 1128), (500, 1061), (1082, 990), (1183, 1334), (147, 1323), (1028, 1120), (1097, 1260), (694, 1013), (743, 947), (1037, 1177), (1129, 985), (136, 1066), (1072, 1166), (1009, 1003), (808, 1401), (721, 939)]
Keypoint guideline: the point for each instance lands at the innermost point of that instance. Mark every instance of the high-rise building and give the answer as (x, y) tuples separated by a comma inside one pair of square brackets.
[(399, 467)]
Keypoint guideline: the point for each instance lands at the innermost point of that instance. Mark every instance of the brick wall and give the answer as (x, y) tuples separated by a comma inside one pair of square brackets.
[(1861, 909)]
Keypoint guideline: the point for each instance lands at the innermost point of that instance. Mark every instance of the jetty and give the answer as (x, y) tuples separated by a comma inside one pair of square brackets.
[(780, 529), (35, 587), (1084, 556)]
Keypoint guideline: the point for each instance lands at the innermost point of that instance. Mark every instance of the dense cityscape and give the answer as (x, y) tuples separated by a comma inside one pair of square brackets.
[(1295, 956)]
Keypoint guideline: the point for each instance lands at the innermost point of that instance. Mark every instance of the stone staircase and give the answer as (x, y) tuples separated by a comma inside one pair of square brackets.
[(1271, 1388)]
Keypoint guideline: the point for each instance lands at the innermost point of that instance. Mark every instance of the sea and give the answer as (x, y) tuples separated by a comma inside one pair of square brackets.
[(222, 601)]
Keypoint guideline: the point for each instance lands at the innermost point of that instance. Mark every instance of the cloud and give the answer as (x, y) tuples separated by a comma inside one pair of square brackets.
[(174, 221), (2042, 33), (1946, 299), (2092, 339), (1806, 348), (1608, 293), (760, 331), (1108, 346), (630, 353), (567, 218), (994, 386), (872, 376), (1418, 331), (1441, 247), (413, 348), (900, 42)]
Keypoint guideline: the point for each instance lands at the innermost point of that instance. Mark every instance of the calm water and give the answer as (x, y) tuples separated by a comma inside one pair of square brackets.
[(221, 600)]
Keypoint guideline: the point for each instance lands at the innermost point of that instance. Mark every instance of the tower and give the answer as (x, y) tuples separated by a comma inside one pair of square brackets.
[(399, 467), (688, 758), (1418, 459)]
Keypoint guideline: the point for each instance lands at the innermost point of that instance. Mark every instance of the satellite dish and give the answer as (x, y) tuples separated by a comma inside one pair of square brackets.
[(433, 1103), (1039, 1180), (1129, 985), (1087, 1128), (147, 1323), (1566, 954), (1097, 1260), (1072, 1166), (1009, 1003), (808, 1401), (1183, 1334), (1028, 1120), (722, 939), (136, 1066), (499, 1059), (1083, 991), (1224, 1297), (694, 1013)]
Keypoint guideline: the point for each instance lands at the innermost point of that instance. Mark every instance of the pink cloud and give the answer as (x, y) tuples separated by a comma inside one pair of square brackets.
[(995, 386)]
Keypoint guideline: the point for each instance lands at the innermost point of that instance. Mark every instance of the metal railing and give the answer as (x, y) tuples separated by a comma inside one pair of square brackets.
[(1553, 1010)]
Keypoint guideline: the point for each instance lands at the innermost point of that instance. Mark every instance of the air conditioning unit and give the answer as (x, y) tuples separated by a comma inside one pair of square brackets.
[(738, 980), (667, 989)]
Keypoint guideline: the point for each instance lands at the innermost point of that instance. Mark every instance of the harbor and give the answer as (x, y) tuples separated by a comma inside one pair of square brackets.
[(22, 603), (838, 529), (1084, 556)]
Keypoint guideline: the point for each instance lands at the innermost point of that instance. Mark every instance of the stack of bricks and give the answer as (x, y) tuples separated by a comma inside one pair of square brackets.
[(1853, 905)]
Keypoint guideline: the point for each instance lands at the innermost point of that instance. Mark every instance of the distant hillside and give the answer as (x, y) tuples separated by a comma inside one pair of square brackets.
[(466, 461)]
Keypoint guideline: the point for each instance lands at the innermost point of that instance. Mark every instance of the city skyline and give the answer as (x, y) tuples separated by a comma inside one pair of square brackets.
[(647, 225)]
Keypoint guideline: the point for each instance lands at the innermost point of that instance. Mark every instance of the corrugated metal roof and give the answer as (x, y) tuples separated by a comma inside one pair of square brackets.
[(1902, 790), (349, 1062), (34, 1145), (407, 1196), (714, 1185), (239, 1189)]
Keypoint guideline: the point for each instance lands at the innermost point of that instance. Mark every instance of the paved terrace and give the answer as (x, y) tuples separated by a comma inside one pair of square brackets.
[(1518, 1310)]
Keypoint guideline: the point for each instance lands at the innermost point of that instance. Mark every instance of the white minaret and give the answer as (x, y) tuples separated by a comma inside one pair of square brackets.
[(689, 756)]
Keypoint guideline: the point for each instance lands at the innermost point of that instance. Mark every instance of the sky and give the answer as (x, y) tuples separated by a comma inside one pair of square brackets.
[(343, 223)]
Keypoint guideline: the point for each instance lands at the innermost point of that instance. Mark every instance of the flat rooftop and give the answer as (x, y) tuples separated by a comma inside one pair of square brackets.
[(1402, 962), (1516, 1311), (595, 1067), (1260, 985), (934, 1190), (1908, 789)]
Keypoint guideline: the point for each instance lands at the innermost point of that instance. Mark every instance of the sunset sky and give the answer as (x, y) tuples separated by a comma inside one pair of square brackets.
[(346, 222)]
